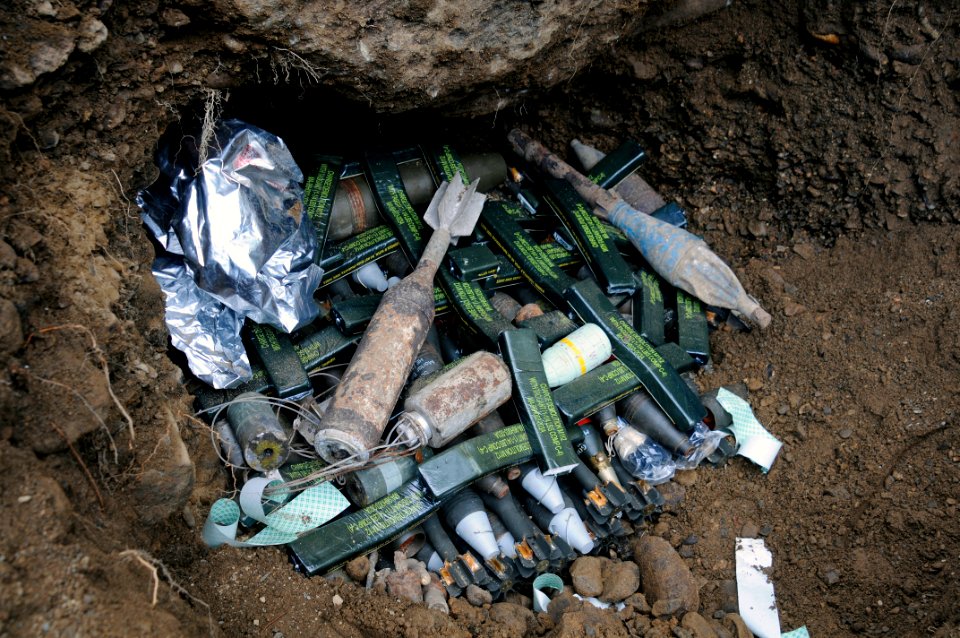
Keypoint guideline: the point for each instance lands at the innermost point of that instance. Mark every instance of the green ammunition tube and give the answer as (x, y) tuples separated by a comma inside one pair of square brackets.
[(335, 543), (368, 485), (352, 315), (355, 206), (648, 319), (466, 297), (550, 327), (351, 254), (655, 374), (280, 359), (614, 167), (678, 359), (527, 256), (693, 334), (596, 246), (321, 347), (534, 403), (593, 391), (319, 191), (462, 464), (473, 263)]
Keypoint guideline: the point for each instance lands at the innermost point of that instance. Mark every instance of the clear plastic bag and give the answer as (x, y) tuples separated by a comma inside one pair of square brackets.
[(643, 457), (705, 442)]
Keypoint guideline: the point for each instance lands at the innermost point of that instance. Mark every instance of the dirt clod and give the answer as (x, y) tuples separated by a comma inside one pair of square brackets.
[(664, 576), (620, 580), (586, 575)]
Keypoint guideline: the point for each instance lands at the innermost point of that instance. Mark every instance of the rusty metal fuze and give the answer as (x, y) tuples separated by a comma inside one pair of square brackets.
[(371, 385)]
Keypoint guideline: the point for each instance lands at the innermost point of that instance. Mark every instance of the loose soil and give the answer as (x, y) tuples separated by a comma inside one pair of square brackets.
[(816, 148)]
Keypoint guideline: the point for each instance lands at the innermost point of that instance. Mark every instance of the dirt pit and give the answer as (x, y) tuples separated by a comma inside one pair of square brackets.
[(815, 146)]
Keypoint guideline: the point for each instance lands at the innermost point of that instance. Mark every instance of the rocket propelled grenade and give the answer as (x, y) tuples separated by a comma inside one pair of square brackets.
[(371, 385), (678, 256)]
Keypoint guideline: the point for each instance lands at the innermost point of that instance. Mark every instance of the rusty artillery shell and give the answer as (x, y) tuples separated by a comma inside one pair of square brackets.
[(264, 441), (456, 399), (369, 389)]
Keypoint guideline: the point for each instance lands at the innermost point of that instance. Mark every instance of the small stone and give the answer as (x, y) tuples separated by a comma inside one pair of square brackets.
[(792, 308), (337, 601), (830, 576), (749, 530), (48, 138), (586, 575), (478, 596), (729, 601), (736, 624), (407, 585), (754, 384), (27, 271), (233, 44), (804, 250), (188, 517), (45, 8), (92, 33), (563, 603), (358, 568), (641, 626), (693, 539), (719, 614), (686, 478), (845, 433), (698, 625), (686, 552), (8, 256), (766, 530), (11, 330), (639, 602), (174, 18), (667, 607), (758, 228), (256, 621), (336, 577), (783, 409), (24, 499), (620, 580)]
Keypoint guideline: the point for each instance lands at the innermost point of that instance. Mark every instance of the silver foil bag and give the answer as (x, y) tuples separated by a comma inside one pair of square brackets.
[(241, 229), (202, 327), (234, 243)]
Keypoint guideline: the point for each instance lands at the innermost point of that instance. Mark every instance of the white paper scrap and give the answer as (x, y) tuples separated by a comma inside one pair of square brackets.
[(754, 441), (758, 605)]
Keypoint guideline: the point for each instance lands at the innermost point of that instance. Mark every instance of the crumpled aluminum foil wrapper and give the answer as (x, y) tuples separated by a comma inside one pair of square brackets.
[(201, 327), (239, 229)]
